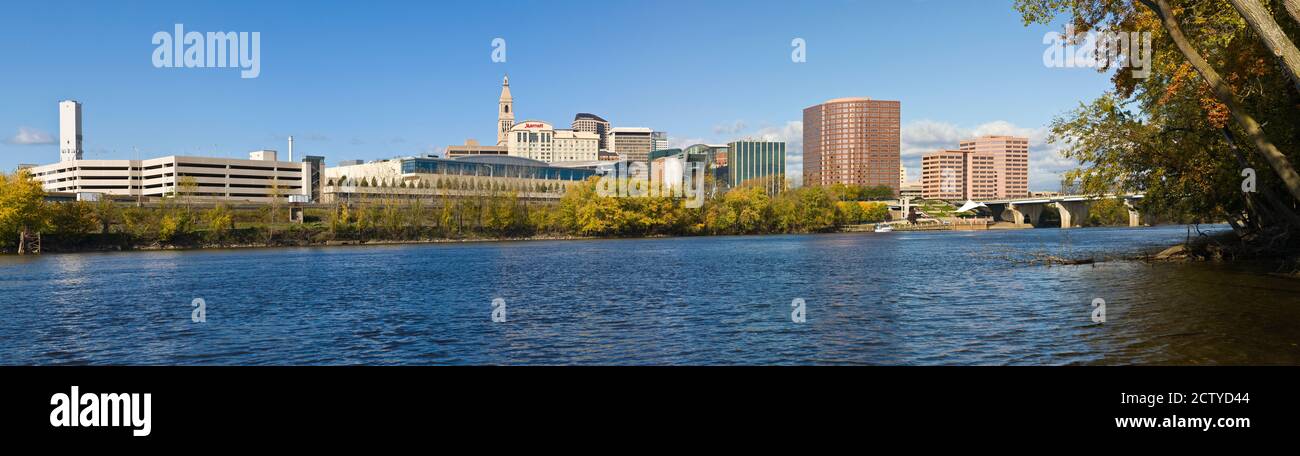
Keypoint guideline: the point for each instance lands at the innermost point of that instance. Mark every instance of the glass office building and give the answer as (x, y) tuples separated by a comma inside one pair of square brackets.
[(752, 159), (494, 166)]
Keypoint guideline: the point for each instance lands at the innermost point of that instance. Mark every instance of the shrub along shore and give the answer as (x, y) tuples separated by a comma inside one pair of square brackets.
[(181, 223)]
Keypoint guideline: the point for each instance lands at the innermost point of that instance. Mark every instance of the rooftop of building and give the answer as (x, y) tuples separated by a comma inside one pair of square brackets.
[(852, 100), (631, 130), (587, 115)]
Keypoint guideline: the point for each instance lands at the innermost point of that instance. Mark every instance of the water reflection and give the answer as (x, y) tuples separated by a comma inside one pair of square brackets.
[(902, 298)]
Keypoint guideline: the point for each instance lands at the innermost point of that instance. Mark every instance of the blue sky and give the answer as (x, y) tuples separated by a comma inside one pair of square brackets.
[(364, 80)]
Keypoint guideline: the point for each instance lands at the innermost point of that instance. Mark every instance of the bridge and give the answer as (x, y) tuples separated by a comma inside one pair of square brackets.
[(1073, 208)]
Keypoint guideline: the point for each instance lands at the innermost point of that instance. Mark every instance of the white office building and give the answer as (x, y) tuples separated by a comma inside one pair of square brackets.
[(540, 141), (260, 179)]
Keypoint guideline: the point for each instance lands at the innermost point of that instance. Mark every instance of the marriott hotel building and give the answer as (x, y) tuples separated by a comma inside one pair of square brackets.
[(852, 141)]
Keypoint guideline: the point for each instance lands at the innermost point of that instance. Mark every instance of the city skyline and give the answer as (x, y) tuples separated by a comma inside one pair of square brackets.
[(213, 112)]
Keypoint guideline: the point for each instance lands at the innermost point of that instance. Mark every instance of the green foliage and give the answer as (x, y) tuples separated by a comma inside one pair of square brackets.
[(140, 223), (175, 224), (1168, 135), (72, 221), (22, 207), (861, 192), (581, 211), (1108, 212), (107, 214), (220, 222)]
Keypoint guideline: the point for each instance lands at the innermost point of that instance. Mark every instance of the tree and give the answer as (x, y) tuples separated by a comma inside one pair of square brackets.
[(106, 213), (1172, 135), (175, 224), (1281, 165), (221, 222), (22, 208), (186, 188), (1263, 24), (72, 221)]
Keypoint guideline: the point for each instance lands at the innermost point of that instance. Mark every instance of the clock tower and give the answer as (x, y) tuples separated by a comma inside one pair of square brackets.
[(505, 112)]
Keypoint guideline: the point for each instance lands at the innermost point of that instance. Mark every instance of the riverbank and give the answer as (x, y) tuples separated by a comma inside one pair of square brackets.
[(319, 235), (116, 242), (1228, 247)]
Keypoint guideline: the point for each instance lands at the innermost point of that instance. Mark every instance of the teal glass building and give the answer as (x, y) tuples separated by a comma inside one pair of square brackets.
[(753, 159)]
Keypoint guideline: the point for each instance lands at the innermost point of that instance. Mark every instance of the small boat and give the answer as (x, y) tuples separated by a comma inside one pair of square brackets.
[(883, 228)]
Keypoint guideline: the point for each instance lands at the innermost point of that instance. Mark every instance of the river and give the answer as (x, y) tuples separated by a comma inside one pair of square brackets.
[(904, 298)]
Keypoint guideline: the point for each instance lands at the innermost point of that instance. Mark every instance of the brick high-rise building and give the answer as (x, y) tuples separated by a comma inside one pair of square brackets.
[(943, 175), (1008, 157), (852, 141), (985, 168)]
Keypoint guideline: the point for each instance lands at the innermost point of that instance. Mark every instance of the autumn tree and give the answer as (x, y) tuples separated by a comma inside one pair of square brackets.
[(1220, 102)]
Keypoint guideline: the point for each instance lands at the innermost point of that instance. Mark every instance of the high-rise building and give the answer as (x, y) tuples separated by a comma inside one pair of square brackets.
[(985, 168), (902, 176), (943, 175), (659, 140), (632, 143), (505, 111), (999, 166), (69, 130), (853, 141), (748, 160), (592, 123), (540, 141)]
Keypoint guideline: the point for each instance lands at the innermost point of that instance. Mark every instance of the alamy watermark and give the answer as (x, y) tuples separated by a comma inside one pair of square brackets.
[(211, 50), (1099, 50), (498, 50), (1098, 310), (200, 313), (498, 310)]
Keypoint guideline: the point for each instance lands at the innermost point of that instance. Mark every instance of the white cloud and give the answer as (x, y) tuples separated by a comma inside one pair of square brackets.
[(682, 143), (729, 129), (30, 136)]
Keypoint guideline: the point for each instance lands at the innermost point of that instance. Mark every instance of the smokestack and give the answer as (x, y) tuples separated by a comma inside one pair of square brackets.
[(290, 148)]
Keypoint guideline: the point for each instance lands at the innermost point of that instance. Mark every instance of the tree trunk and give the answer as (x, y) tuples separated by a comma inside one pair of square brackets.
[(1262, 22), (1225, 95), (1293, 7), (22, 241)]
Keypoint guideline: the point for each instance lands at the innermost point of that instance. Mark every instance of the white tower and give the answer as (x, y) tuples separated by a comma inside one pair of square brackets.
[(505, 112), (291, 148), (69, 130)]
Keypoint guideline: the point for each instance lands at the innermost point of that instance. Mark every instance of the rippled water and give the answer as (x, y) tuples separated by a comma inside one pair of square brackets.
[(898, 298)]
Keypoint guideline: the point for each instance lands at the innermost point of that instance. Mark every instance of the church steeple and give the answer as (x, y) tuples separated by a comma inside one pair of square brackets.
[(505, 112)]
